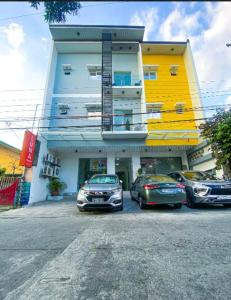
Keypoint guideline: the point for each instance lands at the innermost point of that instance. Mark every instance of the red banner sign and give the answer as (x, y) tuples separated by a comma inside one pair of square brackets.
[(28, 147)]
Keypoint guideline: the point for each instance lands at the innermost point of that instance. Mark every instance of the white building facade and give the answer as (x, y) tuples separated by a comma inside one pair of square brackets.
[(94, 112)]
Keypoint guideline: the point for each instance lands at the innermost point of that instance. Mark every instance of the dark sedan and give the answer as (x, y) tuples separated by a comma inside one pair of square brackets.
[(203, 188), (151, 190)]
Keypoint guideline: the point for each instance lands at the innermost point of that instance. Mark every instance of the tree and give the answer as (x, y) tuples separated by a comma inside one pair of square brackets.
[(217, 130), (55, 11), (2, 171)]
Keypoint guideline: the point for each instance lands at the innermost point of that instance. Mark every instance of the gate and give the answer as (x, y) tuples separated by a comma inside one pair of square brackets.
[(8, 189)]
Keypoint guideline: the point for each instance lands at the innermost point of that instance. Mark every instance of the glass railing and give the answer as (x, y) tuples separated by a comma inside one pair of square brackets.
[(123, 80)]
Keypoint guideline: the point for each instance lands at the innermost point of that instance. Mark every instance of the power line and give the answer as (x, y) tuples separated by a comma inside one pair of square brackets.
[(76, 117)]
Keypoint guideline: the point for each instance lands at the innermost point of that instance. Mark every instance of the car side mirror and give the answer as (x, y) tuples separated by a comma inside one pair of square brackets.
[(86, 181), (121, 181)]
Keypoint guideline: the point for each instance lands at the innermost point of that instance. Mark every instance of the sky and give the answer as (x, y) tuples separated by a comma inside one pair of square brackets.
[(25, 43)]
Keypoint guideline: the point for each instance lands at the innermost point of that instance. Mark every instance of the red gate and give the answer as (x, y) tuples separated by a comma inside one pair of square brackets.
[(7, 193)]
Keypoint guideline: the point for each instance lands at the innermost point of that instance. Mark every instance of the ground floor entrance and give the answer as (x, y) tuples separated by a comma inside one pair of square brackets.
[(126, 167)]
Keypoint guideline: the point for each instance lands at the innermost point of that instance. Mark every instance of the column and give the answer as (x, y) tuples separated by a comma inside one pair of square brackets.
[(110, 163), (184, 160), (135, 165)]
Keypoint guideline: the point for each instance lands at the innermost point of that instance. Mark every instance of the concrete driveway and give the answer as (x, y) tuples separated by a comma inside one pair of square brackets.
[(51, 251)]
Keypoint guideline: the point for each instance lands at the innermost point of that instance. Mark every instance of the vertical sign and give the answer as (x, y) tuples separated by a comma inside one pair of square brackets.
[(28, 148)]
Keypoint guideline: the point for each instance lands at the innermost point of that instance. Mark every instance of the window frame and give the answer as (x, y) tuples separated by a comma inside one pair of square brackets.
[(149, 77), (154, 115)]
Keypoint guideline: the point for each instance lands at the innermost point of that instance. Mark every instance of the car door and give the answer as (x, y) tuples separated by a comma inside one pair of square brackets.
[(134, 189)]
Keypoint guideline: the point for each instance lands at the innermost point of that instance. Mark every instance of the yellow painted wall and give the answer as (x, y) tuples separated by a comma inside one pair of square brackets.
[(10, 159), (169, 90)]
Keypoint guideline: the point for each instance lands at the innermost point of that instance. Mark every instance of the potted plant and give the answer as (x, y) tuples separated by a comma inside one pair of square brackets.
[(55, 186), (127, 125)]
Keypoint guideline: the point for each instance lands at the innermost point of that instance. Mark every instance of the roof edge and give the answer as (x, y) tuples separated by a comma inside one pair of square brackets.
[(97, 26), (9, 147), (165, 42)]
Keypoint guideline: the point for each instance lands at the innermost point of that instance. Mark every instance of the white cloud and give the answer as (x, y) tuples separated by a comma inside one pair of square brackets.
[(147, 18), (14, 34), (179, 25)]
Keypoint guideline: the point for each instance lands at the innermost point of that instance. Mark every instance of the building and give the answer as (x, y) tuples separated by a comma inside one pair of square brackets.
[(145, 91), (9, 159), (201, 158)]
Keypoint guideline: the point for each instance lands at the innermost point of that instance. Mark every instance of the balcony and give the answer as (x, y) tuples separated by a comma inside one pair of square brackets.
[(124, 127), (125, 84)]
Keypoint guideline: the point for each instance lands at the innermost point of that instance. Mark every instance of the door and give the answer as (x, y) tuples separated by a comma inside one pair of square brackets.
[(136, 187), (122, 78)]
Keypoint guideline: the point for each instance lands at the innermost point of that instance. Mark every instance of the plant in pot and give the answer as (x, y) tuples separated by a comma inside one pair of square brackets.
[(56, 186)]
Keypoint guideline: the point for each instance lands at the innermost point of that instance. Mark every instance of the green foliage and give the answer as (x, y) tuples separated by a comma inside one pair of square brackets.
[(139, 172), (218, 132), (2, 171), (55, 11), (55, 185)]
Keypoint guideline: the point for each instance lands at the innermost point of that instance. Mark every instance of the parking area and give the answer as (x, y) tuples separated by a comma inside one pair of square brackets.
[(52, 251)]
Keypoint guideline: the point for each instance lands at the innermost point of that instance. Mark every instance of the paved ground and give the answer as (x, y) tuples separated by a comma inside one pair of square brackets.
[(51, 251)]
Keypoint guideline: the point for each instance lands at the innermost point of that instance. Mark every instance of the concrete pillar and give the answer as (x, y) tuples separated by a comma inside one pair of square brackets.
[(184, 160), (135, 165), (110, 163)]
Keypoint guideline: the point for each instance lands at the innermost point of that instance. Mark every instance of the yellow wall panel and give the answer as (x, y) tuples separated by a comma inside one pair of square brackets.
[(169, 90)]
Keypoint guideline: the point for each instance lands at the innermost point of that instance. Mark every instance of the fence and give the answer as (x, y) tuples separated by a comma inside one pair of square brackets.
[(14, 191)]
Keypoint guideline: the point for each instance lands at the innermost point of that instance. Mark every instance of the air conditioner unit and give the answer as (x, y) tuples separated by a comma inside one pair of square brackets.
[(46, 157), (47, 171), (50, 158), (56, 171), (57, 161)]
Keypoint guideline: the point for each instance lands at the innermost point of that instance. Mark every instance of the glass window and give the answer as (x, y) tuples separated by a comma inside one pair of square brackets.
[(198, 176), (95, 75), (154, 112), (94, 115), (150, 75), (158, 178), (104, 179)]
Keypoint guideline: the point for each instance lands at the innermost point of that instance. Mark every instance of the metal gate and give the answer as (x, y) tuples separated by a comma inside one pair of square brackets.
[(8, 189)]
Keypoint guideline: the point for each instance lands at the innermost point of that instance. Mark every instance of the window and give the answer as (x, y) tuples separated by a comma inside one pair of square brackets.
[(154, 111), (94, 115), (179, 108), (95, 75), (152, 75)]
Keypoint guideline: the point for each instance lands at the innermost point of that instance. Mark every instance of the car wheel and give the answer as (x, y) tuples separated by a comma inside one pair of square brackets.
[(177, 205), (141, 203), (190, 203), (121, 207), (227, 205)]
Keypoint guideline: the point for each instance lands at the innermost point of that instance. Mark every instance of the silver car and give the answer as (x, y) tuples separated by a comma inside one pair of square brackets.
[(101, 192)]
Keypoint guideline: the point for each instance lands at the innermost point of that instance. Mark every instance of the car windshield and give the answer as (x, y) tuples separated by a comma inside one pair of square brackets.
[(198, 176), (107, 179), (158, 178)]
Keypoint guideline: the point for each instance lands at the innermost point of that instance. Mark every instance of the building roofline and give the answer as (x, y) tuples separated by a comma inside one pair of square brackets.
[(98, 26), (9, 147), (165, 42)]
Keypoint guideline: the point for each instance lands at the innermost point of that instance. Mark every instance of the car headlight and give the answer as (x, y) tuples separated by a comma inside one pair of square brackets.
[(201, 190), (117, 192), (82, 194)]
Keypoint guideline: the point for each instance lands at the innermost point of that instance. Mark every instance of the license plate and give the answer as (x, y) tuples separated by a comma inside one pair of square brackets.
[(97, 200), (224, 197), (169, 191)]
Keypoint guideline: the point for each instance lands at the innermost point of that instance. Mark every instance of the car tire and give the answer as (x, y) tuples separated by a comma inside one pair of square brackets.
[(190, 203), (141, 203), (177, 205), (121, 207), (227, 205)]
